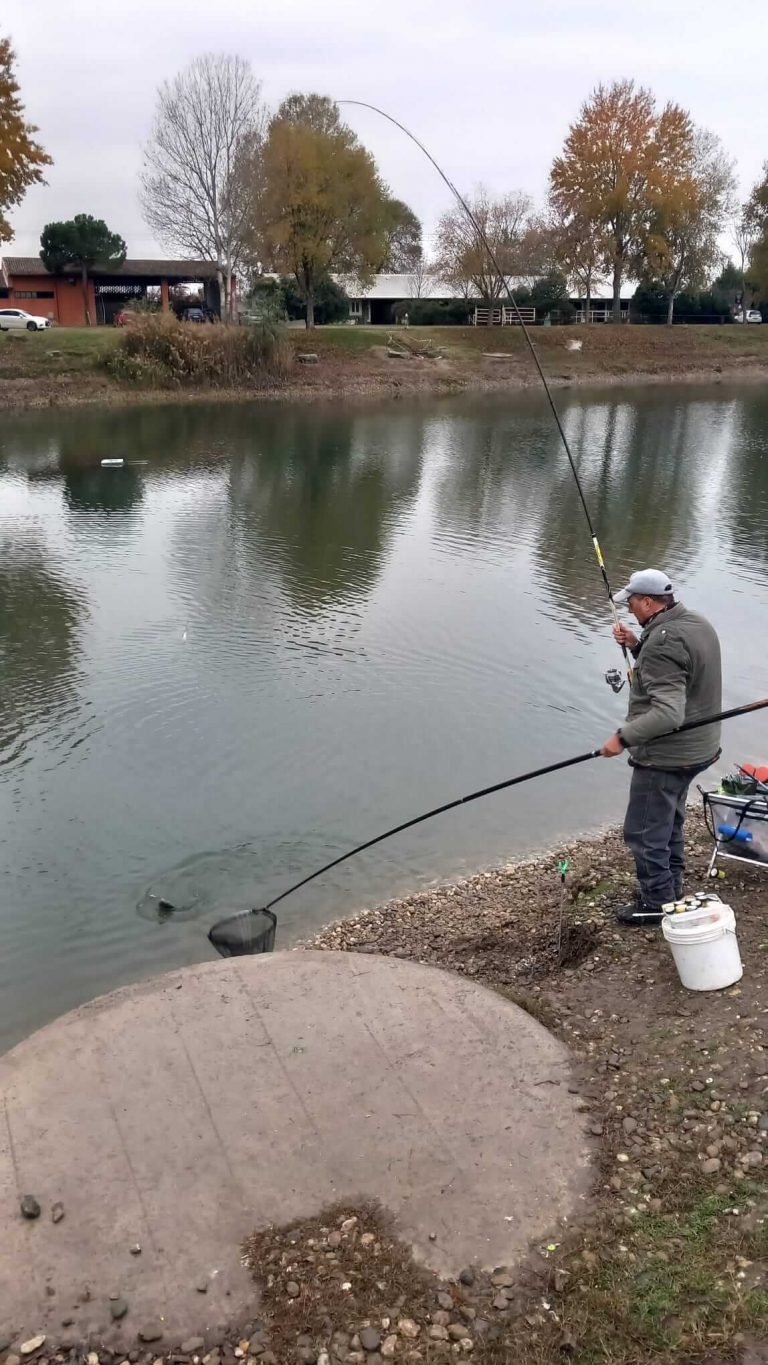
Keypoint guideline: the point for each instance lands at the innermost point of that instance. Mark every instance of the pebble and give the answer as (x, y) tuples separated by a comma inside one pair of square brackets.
[(135, 1250), (118, 1308), (457, 1331), (467, 1277), (389, 1347), (57, 1212), (151, 1331), (500, 1301), (92, 1358), (29, 1207), (292, 1289), (712, 1166), (445, 1300), (202, 1286), (408, 1328), (191, 1345), (370, 1339), (13, 1360), (28, 1348), (437, 1332), (502, 1278)]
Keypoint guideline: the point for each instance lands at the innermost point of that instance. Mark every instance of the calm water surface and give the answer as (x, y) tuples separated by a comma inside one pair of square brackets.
[(278, 630)]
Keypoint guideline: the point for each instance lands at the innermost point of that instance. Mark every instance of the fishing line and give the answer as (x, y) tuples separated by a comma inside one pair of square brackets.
[(483, 241), (234, 929)]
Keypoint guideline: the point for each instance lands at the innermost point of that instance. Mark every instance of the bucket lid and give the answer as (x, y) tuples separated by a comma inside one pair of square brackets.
[(698, 925)]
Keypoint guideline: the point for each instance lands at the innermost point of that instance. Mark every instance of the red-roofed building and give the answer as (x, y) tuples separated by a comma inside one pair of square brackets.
[(25, 283)]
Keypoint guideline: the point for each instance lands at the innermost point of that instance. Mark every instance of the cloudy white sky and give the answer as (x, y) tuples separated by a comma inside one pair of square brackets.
[(489, 85)]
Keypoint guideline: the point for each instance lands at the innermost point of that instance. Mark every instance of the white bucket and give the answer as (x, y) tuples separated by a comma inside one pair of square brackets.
[(704, 946)]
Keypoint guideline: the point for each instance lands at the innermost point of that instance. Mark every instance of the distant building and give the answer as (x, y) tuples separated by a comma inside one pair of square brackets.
[(387, 296), (375, 303), (25, 282)]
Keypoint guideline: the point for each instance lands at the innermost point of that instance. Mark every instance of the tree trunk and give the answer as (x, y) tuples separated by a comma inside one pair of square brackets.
[(84, 283), (310, 309), (618, 268), (588, 303), (670, 308)]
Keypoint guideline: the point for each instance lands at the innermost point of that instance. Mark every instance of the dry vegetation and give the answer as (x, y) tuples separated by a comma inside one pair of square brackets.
[(159, 352)]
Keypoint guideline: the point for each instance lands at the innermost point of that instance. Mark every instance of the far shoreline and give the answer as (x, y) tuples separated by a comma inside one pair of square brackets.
[(70, 369)]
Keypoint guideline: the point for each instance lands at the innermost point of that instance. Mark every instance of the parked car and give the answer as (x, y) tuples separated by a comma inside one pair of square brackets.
[(753, 315), (12, 319)]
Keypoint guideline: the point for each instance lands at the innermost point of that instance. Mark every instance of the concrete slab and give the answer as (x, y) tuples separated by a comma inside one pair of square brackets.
[(182, 1113)]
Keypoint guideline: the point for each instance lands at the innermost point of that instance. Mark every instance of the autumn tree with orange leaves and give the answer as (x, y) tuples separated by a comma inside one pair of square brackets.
[(21, 158), (683, 244), (621, 161)]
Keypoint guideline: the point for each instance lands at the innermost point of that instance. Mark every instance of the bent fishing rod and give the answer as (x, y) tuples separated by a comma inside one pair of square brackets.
[(498, 787), (504, 281)]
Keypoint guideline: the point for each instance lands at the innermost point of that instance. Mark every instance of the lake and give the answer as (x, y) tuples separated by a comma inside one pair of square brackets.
[(280, 629)]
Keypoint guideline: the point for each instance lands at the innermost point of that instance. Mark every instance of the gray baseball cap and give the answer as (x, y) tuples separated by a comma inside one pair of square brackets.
[(644, 583)]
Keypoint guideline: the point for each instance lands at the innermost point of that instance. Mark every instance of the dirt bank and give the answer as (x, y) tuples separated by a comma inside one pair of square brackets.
[(66, 369)]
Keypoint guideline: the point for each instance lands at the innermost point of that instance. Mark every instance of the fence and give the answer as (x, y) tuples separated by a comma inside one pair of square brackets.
[(503, 316)]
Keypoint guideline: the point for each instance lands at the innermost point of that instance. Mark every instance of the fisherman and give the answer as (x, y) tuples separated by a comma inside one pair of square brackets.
[(676, 678)]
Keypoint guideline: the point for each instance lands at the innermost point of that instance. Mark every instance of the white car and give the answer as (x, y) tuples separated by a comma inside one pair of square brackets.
[(16, 317), (753, 315)]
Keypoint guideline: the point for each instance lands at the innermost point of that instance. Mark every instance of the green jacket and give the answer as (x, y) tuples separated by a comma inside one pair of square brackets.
[(677, 677)]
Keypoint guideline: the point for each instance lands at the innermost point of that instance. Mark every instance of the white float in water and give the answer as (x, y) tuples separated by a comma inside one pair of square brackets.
[(112, 464)]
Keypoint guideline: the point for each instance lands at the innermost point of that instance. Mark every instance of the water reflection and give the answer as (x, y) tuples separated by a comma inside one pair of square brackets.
[(745, 485), (320, 620), (41, 614), (321, 498)]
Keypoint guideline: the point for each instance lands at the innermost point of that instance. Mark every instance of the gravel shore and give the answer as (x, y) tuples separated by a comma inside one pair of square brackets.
[(670, 1259)]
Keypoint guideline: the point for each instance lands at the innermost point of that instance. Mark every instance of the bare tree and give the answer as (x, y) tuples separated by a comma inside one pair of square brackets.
[(193, 198), (744, 235), (420, 275), (462, 257)]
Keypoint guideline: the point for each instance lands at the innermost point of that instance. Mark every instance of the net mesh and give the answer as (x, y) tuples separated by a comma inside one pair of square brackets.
[(249, 931)]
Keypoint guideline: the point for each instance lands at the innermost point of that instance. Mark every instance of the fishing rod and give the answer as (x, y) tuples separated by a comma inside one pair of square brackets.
[(504, 281), (235, 924)]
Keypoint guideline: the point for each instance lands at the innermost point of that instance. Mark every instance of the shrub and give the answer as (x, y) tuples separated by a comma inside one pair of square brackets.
[(435, 312), (159, 351), (331, 301)]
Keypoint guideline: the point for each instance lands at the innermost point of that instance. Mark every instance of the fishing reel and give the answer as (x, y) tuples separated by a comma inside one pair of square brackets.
[(614, 679)]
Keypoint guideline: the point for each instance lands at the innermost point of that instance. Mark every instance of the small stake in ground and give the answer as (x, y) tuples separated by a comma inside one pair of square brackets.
[(563, 867)]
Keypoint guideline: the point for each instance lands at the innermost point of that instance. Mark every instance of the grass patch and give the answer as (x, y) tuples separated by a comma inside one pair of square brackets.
[(59, 350), (678, 1284)]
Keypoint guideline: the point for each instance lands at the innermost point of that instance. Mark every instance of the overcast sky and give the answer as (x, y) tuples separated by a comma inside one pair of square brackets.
[(489, 85)]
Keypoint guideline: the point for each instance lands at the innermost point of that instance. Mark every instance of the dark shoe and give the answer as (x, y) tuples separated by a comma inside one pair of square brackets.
[(638, 913)]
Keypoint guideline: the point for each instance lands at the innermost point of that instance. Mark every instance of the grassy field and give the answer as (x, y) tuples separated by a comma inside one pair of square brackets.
[(66, 365)]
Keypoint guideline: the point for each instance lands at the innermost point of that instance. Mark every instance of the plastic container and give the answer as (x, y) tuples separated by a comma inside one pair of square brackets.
[(704, 945), (742, 823)]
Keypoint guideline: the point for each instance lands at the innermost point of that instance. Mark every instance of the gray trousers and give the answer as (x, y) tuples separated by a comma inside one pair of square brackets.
[(654, 830)]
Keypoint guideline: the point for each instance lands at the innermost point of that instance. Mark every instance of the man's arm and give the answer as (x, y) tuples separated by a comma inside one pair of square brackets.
[(665, 676)]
